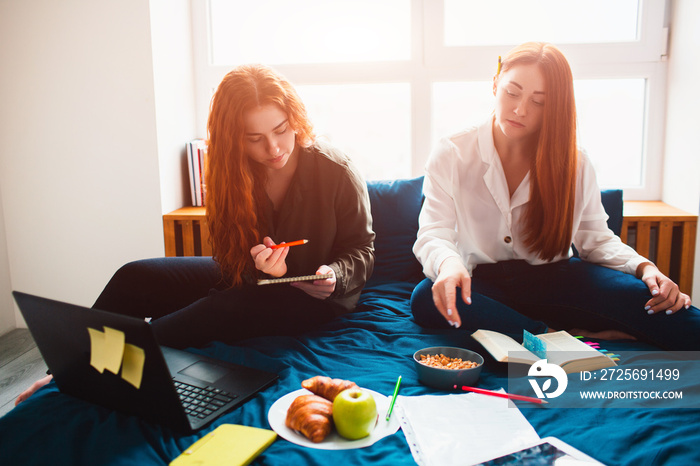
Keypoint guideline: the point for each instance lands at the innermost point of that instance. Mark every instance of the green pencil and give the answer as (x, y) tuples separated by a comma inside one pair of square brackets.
[(393, 398)]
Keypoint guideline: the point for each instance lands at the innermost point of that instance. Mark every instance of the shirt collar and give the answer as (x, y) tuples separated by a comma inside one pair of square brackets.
[(494, 177)]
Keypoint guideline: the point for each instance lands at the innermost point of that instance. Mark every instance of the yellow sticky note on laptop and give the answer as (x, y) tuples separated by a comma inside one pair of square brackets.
[(106, 349), (229, 445), (97, 349), (132, 364)]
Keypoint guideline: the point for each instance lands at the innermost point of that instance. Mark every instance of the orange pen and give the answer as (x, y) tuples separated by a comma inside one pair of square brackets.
[(293, 243)]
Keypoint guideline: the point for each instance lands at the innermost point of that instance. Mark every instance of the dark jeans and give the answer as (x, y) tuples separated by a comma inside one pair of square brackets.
[(192, 307), (513, 295)]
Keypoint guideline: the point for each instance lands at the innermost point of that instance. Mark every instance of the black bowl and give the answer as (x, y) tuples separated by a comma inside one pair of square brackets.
[(446, 379)]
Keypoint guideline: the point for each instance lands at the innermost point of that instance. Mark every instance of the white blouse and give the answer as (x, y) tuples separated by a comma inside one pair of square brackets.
[(469, 214)]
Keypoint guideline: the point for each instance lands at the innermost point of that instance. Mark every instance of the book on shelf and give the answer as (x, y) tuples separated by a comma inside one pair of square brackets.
[(196, 165), (559, 348)]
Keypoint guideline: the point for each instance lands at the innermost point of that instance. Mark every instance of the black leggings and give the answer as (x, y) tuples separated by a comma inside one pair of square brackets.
[(192, 307)]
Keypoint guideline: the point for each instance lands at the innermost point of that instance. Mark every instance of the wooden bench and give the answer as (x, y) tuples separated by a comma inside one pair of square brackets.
[(663, 234), (658, 231), (186, 233)]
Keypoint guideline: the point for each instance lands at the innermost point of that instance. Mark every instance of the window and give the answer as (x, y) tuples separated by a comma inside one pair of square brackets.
[(503, 22), (384, 79), (339, 113), (310, 31)]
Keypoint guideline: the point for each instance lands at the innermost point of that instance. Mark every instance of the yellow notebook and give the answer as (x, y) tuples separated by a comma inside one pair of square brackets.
[(228, 444)]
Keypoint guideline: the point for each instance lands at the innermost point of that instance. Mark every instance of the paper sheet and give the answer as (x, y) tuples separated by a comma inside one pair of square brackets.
[(462, 429)]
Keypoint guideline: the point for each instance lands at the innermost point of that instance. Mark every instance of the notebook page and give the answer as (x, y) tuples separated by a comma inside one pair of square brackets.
[(462, 428)]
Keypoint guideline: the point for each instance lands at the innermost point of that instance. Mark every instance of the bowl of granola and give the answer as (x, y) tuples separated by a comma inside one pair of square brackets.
[(445, 367)]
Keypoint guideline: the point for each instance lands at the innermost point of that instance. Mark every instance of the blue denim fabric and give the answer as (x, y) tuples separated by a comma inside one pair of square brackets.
[(513, 295)]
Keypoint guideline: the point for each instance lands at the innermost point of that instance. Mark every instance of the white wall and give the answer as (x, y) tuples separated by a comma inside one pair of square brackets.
[(7, 317), (682, 155), (173, 70), (81, 144)]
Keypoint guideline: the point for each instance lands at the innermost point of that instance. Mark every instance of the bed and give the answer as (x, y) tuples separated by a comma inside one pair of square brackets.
[(372, 347)]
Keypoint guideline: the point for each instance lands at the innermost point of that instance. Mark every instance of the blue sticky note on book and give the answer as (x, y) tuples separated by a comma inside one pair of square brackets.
[(534, 345)]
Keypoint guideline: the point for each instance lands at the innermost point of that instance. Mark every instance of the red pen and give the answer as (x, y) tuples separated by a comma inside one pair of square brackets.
[(293, 243), (502, 395)]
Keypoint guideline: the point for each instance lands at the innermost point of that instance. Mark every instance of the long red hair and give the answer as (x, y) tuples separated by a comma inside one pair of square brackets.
[(548, 220), (235, 184)]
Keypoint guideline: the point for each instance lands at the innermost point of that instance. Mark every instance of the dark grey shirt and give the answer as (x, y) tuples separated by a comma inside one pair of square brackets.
[(327, 203)]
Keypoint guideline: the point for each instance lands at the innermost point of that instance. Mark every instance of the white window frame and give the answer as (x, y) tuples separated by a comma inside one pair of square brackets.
[(432, 62)]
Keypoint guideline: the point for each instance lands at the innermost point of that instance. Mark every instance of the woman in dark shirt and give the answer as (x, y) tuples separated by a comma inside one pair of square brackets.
[(268, 182)]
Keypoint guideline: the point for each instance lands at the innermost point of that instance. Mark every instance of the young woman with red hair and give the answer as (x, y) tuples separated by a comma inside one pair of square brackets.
[(503, 204), (268, 182)]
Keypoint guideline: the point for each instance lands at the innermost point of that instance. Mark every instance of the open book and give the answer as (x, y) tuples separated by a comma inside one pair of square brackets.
[(562, 349)]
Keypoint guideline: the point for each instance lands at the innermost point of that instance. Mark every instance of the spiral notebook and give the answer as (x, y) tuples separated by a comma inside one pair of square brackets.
[(301, 278)]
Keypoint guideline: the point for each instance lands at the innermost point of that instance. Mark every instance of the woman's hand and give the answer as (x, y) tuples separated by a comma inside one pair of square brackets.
[(452, 274), (34, 387), (667, 297), (319, 289), (268, 260)]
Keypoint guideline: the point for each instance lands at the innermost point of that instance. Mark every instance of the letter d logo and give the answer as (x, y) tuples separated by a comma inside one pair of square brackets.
[(542, 369)]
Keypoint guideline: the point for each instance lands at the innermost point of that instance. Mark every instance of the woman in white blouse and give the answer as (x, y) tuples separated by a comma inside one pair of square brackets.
[(503, 204)]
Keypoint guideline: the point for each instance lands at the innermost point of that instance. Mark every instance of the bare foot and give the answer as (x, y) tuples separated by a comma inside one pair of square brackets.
[(603, 334), (34, 387)]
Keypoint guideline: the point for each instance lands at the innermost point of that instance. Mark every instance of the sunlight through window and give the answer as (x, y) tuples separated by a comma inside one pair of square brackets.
[(309, 31), (383, 80), (477, 22), (369, 122)]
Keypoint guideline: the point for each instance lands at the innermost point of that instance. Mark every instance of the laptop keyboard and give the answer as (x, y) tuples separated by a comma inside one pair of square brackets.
[(201, 402)]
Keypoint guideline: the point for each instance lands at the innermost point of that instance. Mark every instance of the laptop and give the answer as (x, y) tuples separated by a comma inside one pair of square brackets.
[(114, 361)]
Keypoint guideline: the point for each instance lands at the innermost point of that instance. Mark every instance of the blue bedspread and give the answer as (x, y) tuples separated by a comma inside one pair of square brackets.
[(372, 347)]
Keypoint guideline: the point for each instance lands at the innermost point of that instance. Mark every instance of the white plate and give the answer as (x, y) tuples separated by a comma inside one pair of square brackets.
[(278, 413)]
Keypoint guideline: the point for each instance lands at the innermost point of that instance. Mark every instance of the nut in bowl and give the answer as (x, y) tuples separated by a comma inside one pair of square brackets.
[(440, 366)]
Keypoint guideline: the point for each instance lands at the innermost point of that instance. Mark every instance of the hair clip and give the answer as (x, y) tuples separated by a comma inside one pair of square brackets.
[(498, 70)]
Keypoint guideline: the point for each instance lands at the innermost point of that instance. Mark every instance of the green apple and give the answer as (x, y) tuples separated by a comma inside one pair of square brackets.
[(354, 413)]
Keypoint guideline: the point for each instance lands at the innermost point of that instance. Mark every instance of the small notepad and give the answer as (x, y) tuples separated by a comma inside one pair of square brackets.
[(302, 278), (228, 444)]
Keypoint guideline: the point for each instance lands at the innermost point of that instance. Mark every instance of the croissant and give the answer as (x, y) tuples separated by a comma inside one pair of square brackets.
[(311, 415), (326, 387)]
